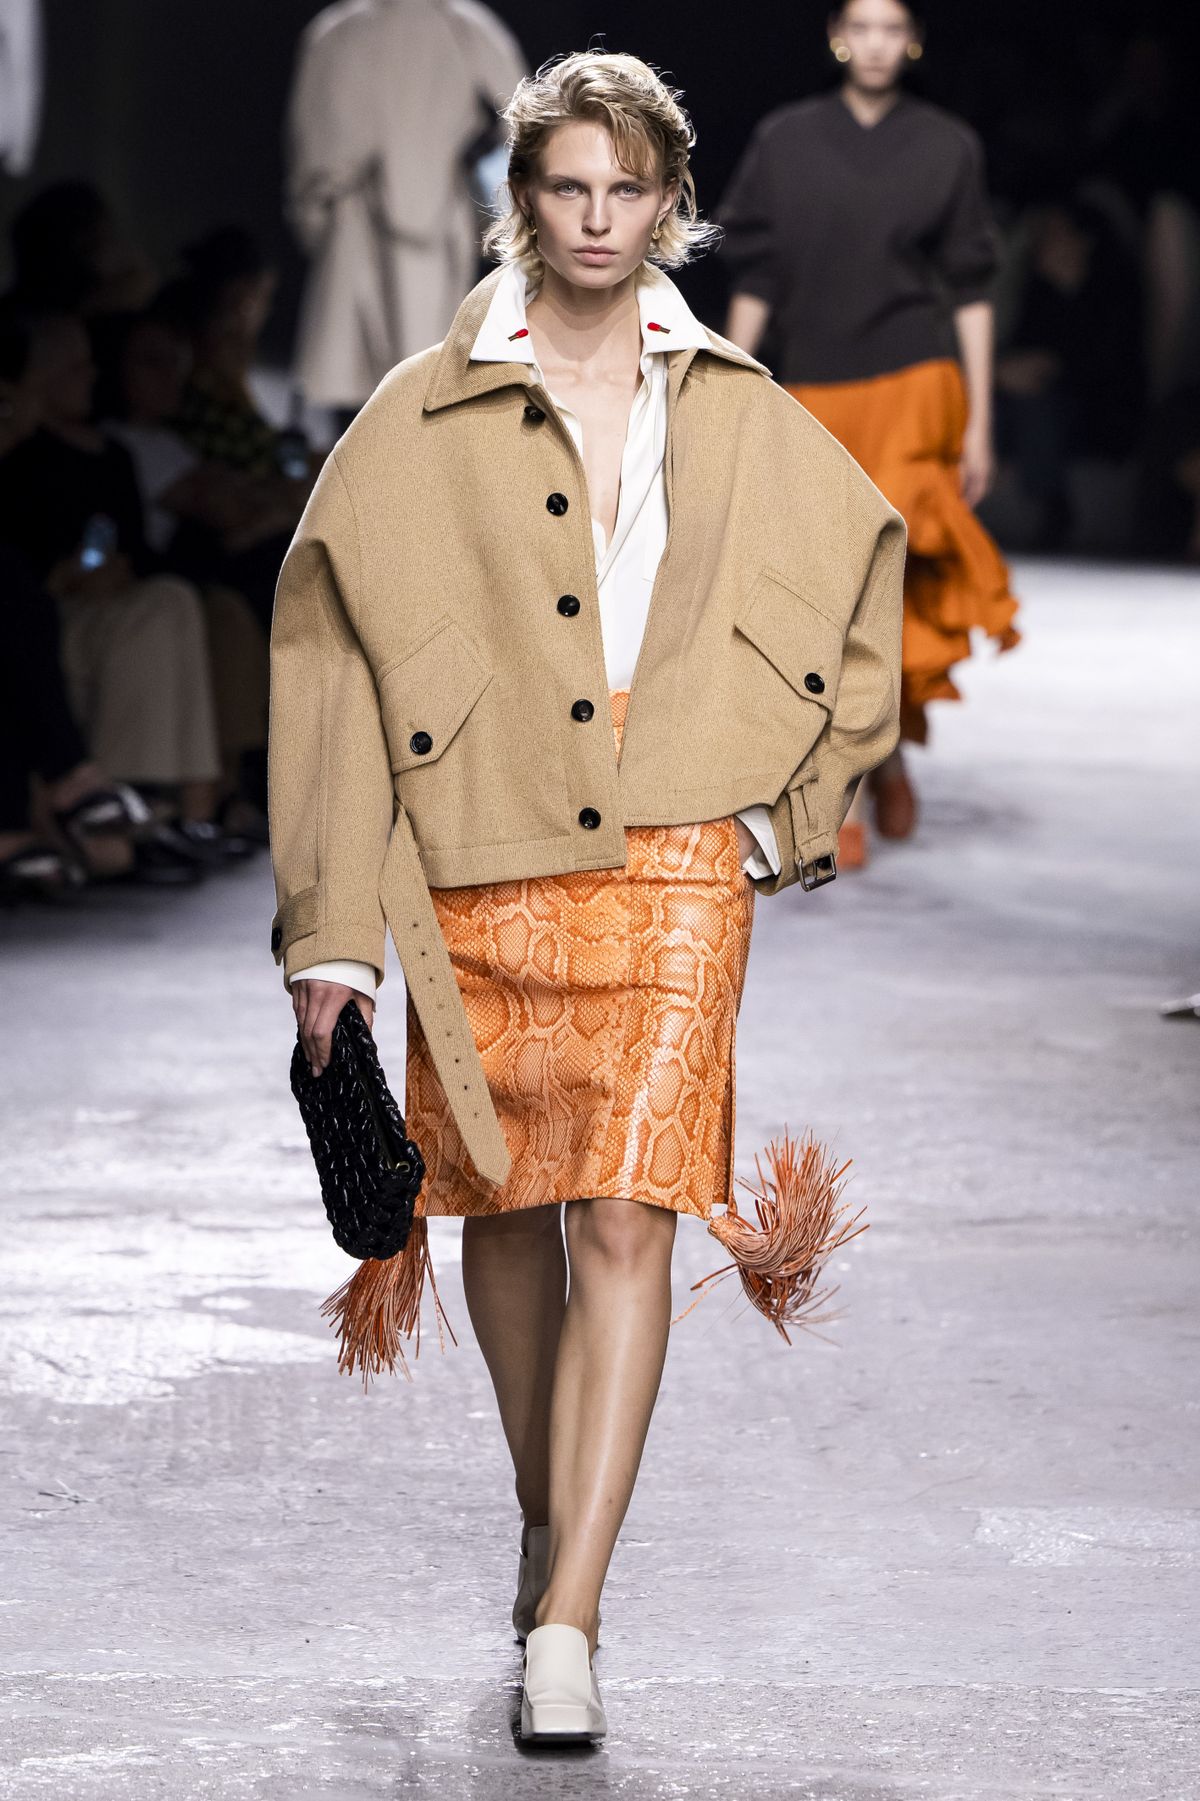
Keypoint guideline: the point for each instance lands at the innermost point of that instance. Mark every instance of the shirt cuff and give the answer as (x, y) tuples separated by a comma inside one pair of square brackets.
[(359, 976), (765, 861)]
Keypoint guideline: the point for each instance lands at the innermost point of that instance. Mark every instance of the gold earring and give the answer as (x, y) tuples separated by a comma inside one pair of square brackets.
[(915, 51), (656, 234), (840, 48)]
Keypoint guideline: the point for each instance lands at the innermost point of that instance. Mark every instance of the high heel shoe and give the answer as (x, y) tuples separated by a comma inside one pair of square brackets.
[(560, 1701), (533, 1573)]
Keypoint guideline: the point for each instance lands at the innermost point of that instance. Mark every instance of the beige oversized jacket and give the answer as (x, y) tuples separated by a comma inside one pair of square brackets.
[(436, 619)]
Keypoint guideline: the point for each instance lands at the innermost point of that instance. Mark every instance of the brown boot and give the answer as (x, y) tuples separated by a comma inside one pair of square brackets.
[(852, 852), (895, 803)]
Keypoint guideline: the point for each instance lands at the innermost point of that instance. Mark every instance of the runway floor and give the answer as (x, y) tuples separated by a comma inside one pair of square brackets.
[(948, 1552)]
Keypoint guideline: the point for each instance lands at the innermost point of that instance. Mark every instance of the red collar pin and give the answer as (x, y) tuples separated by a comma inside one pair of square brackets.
[(651, 326), (522, 333)]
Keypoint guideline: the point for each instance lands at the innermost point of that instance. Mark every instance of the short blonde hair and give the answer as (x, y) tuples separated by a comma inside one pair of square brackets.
[(652, 137)]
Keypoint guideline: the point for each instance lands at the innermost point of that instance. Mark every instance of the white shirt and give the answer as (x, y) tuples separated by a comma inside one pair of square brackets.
[(627, 564)]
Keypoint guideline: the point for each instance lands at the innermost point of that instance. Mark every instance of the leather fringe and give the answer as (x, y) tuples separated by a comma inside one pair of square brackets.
[(380, 1304), (800, 1224)]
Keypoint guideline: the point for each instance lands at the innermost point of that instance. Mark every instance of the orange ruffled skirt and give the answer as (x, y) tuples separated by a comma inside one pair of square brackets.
[(603, 1004), (906, 430)]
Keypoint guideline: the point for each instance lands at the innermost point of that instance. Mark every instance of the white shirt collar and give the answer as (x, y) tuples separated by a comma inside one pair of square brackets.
[(660, 305)]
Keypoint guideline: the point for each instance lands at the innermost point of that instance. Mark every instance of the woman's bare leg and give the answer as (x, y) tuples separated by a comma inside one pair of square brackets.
[(610, 1361), (515, 1278)]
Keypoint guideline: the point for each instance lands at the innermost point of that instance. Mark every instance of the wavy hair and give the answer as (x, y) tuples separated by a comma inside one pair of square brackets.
[(652, 137)]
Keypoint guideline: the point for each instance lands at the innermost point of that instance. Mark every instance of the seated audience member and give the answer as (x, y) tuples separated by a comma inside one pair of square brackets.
[(85, 827), (81, 827), (1069, 378), (70, 255), (222, 303), (200, 516), (134, 643)]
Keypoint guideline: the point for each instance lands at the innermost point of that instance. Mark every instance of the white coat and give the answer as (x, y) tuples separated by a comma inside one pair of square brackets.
[(20, 83), (384, 100)]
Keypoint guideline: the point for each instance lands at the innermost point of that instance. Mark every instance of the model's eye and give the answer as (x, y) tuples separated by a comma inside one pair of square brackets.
[(564, 187), (632, 188)]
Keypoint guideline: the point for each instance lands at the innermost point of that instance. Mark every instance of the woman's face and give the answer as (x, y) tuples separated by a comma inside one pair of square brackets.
[(877, 34), (153, 371), (231, 332), (594, 219)]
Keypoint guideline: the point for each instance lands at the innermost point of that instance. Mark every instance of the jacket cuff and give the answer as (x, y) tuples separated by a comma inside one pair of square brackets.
[(765, 860), (359, 976), (300, 940)]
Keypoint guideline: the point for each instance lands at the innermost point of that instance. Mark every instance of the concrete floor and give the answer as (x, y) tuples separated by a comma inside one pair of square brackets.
[(950, 1551)]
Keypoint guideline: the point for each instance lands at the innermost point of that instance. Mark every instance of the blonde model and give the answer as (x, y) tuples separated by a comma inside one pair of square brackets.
[(586, 638)]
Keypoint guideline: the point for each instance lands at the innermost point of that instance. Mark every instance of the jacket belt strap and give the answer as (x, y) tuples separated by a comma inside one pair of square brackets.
[(404, 896)]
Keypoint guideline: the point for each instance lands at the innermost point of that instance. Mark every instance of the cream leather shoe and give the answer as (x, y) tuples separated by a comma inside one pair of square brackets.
[(533, 1573), (560, 1701)]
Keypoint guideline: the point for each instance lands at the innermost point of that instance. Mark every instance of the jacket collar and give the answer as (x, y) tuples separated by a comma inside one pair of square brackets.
[(460, 371)]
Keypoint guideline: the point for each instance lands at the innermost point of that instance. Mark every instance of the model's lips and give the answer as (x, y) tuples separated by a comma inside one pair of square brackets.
[(596, 255)]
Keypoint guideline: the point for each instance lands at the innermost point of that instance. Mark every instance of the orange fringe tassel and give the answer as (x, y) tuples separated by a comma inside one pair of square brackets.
[(800, 1224), (380, 1304)]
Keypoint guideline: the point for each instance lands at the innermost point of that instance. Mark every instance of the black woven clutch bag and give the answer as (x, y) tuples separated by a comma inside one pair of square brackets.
[(370, 1171)]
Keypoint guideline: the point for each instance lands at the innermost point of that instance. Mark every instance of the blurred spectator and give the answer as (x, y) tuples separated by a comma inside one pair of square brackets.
[(219, 510), (1069, 379), (240, 533), (223, 302), (70, 255), (134, 645), (85, 827)]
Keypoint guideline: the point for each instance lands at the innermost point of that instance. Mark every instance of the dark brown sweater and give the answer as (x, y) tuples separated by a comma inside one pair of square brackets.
[(863, 240)]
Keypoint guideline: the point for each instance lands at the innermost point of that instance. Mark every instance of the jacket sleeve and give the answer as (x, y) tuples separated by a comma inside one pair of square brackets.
[(745, 215), (329, 793), (967, 251), (862, 729)]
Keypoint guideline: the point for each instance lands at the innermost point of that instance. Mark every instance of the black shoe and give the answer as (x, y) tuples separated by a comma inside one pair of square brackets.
[(211, 845), (160, 863), (239, 817), (40, 872)]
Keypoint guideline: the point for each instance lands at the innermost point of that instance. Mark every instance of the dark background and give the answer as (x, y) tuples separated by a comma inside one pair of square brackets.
[(175, 106)]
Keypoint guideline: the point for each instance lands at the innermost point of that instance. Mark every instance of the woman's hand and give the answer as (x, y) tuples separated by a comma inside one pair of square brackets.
[(316, 1005), (976, 467)]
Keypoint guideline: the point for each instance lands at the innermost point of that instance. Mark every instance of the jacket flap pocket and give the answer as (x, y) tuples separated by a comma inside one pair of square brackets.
[(795, 637), (426, 694)]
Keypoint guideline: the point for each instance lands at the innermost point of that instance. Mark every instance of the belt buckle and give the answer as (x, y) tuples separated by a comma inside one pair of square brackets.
[(818, 872)]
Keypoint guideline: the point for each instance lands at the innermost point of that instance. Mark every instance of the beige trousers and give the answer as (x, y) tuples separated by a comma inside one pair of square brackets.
[(239, 661), (137, 672)]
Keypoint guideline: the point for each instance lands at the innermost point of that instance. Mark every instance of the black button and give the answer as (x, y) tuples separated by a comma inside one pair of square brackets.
[(534, 414), (589, 819), (582, 710), (421, 743), (276, 937), (814, 684), (557, 504), (568, 606)]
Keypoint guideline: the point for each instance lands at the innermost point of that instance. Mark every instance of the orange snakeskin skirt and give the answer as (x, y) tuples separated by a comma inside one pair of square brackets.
[(906, 430), (604, 1005)]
